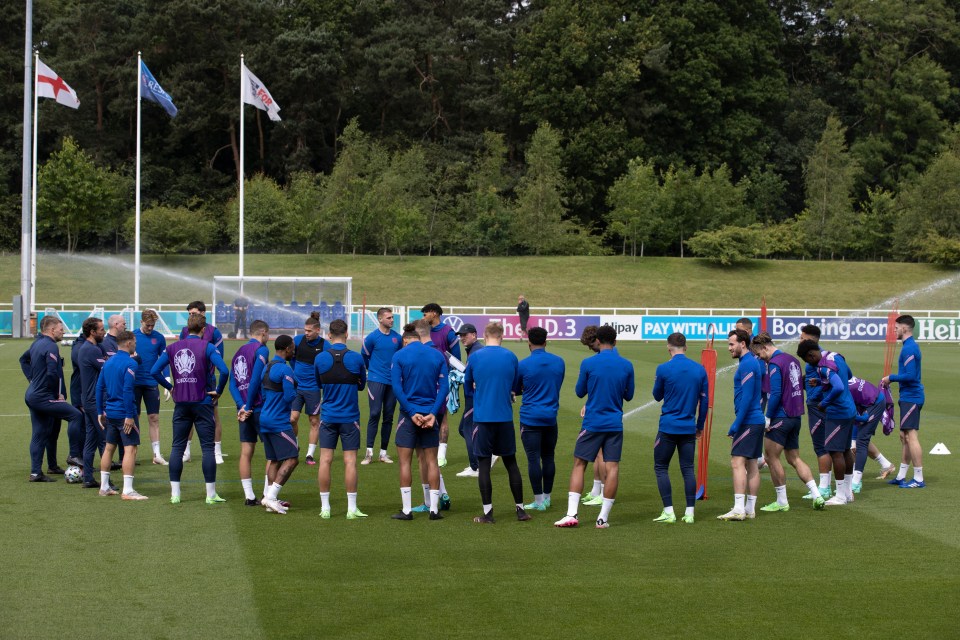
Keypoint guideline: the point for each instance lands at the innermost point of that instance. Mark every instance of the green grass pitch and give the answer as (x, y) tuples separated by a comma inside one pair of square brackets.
[(74, 563)]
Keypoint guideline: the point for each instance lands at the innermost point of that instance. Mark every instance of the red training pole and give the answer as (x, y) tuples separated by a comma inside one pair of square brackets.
[(763, 313), (891, 341), (708, 358)]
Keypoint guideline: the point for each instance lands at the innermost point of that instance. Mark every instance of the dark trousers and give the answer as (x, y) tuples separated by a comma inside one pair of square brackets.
[(540, 443), (45, 417), (383, 401), (466, 426), (188, 415), (663, 448), (95, 440)]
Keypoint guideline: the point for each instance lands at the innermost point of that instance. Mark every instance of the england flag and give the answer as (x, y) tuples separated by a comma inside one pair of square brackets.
[(50, 85)]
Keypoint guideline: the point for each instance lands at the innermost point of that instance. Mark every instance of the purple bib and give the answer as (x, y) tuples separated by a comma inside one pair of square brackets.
[(241, 369), (188, 366), (791, 383)]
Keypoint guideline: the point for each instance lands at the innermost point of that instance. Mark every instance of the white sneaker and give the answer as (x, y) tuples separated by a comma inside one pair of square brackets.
[(836, 500), (274, 506), (160, 460), (567, 521), (734, 515), (367, 459), (186, 456), (386, 459), (218, 457), (493, 461), (468, 473)]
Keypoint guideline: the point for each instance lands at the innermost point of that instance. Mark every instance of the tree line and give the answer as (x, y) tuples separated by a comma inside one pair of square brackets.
[(730, 129)]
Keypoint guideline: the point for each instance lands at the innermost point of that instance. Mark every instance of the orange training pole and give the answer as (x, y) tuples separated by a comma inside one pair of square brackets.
[(708, 358)]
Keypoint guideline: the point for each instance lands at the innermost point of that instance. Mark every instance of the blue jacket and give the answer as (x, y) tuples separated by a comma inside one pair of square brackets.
[(115, 387), (340, 401), (493, 373), (149, 348), (908, 373), (746, 394), (682, 385), (90, 359), (43, 367), (607, 380), (378, 351), (275, 415), (539, 381), (419, 379)]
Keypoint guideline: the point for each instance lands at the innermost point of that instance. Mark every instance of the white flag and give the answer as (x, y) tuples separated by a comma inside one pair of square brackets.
[(50, 85), (256, 94)]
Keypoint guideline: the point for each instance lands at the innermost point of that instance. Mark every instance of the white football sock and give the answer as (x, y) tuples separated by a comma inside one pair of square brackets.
[(383, 453), (156, 449), (902, 475), (127, 484), (814, 489), (369, 452), (538, 499), (247, 484), (351, 501), (217, 451), (751, 506), (918, 474), (434, 501), (311, 449), (174, 489), (443, 487), (597, 488), (668, 510), (573, 500), (442, 452), (605, 509), (325, 500), (825, 480), (781, 494), (883, 462), (688, 511), (738, 500), (211, 489), (405, 499), (104, 480), (857, 477), (426, 493)]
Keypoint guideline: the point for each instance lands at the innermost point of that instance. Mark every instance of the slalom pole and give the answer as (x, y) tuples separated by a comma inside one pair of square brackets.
[(708, 358), (763, 314)]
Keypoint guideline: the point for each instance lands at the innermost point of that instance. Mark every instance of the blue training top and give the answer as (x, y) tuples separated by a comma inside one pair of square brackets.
[(493, 373), (43, 367), (682, 385), (908, 373), (378, 350), (341, 403), (90, 359), (114, 395), (149, 347), (539, 381), (837, 400), (419, 379), (275, 415), (303, 369), (607, 380), (746, 394)]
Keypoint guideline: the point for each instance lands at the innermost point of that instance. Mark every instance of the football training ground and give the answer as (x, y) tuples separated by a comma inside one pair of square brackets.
[(78, 565)]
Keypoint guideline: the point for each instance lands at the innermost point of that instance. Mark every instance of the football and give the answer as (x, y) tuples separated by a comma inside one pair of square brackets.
[(73, 474)]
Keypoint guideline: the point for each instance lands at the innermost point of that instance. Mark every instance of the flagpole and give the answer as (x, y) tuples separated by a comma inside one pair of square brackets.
[(241, 169), (33, 191), (136, 242), (25, 219)]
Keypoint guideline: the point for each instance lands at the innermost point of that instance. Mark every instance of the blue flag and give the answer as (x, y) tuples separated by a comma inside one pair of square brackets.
[(151, 90)]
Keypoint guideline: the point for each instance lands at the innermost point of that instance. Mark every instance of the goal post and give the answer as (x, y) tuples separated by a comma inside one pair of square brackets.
[(283, 302)]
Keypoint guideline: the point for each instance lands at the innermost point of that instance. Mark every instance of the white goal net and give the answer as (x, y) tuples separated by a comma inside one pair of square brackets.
[(282, 302)]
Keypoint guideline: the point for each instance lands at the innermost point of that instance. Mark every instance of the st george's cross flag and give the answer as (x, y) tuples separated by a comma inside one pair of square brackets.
[(256, 94), (50, 85)]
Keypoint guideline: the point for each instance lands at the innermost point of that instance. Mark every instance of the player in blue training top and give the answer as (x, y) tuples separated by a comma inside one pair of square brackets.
[(246, 374), (276, 426), (839, 410), (46, 394), (150, 344), (468, 339), (911, 400), (90, 360), (213, 336), (607, 380), (117, 410), (444, 339), (747, 428), (682, 385), (340, 375), (783, 412), (419, 379), (306, 349), (379, 347), (115, 324), (539, 380), (193, 396), (493, 374)]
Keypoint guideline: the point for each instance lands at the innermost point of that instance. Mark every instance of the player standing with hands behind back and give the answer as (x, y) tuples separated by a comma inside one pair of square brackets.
[(911, 402)]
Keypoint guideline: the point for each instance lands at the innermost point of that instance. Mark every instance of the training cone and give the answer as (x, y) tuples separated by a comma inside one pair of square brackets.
[(939, 449)]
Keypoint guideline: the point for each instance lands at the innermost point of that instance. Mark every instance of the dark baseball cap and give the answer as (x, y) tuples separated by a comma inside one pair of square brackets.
[(466, 328)]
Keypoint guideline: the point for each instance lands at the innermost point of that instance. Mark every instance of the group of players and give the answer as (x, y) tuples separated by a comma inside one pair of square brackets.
[(115, 371)]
